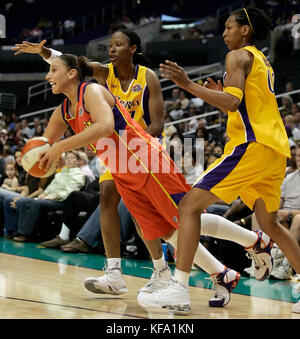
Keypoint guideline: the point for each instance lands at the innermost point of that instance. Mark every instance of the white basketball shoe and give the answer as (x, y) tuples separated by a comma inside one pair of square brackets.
[(111, 282), (260, 253)]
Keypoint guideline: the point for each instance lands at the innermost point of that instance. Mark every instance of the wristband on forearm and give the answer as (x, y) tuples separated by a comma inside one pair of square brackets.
[(54, 54)]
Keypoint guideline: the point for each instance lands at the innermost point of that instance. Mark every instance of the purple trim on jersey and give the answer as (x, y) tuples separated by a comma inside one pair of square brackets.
[(84, 88), (177, 197), (145, 100), (63, 111), (250, 136), (120, 122), (137, 67), (223, 169), (115, 72), (78, 90)]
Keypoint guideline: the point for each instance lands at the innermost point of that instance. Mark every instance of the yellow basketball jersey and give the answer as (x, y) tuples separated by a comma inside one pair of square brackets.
[(257, 118), (135, 99)]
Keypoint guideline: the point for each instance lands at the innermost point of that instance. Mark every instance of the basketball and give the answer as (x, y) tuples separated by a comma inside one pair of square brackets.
[(31, 154)]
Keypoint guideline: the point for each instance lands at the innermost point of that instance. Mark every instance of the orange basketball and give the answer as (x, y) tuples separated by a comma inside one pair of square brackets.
[(31, 154)]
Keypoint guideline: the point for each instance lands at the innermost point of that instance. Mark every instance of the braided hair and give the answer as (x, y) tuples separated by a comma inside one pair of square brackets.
[(257, 19)]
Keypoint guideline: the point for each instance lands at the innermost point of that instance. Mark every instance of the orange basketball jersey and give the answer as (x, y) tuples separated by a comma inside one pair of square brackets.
[(130, 153)]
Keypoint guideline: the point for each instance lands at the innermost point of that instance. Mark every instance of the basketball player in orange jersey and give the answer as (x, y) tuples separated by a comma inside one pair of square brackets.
[(254, 161), (138, 89), (151, 192)]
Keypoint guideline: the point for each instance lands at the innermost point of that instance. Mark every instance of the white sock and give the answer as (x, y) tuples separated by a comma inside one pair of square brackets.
[(64, 233), (218, 227), (159, 264), (202, 258), (181, 276), (113, 262)]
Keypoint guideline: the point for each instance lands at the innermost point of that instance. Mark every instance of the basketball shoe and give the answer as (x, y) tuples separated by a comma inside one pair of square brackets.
[(224, 282), (158, 280), (260, 253), (175, 297), (111, 282)]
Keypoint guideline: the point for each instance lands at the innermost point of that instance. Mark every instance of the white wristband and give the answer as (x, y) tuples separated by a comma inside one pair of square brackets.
[(54, 54)]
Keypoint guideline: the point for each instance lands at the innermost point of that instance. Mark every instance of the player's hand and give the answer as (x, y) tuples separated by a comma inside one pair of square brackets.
[(209, 83), (50, 156), (170, 70), (29, 47)]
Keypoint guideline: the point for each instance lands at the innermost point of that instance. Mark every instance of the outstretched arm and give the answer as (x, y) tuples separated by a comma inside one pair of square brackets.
[(237, 65), (33, 48), (100, 71)]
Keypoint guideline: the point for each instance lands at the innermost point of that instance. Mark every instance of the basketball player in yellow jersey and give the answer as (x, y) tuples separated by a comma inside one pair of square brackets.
[(254, 160)]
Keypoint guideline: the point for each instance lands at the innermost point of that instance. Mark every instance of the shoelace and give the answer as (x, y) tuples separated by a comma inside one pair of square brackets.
[(252, 255), (213, 283), (154, 275)]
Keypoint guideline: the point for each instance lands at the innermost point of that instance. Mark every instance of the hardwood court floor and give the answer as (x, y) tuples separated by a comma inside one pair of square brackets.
[(40, 283)]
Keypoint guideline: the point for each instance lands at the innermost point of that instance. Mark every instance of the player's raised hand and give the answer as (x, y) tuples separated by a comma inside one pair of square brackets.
[(209, 83), (170, 70), (29, 47)]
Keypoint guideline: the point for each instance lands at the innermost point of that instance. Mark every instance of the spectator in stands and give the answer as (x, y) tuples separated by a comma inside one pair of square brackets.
[(3, 136), (90, 233), (36, 122), (169, 102), (25, 129), (289, 123), (211, 159), (10, 183), (176, 112), (286, 107), (32, 188), (69, 179), (20, 169), (38, 131), (290, 194), (295, 108), (94, 162), (218, 151), (289, 87), (183, 100), (4, 193), (84, 166), (77, 202), (170, 129), (292, 165), (191, 169)]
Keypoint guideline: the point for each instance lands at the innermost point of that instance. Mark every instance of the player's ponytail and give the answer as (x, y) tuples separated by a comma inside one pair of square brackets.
[(84, 69), (81, 64), (257, 19)]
